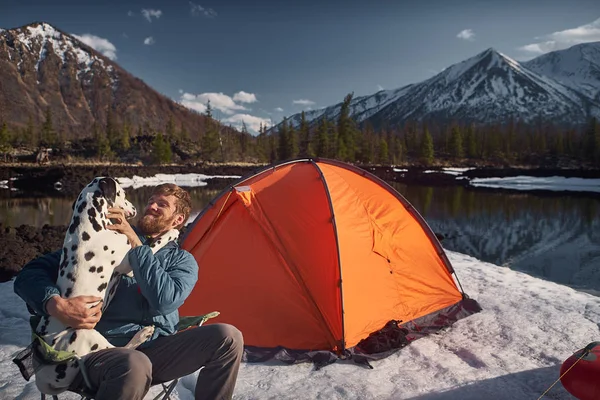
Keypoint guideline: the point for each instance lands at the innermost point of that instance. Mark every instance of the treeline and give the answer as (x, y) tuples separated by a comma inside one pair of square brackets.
[(428, 144), (343, 139)]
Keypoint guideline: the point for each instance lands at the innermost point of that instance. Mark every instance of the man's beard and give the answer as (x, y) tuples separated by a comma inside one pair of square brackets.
[(151, 225)]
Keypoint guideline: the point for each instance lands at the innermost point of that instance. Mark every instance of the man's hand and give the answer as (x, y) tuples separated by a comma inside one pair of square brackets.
[(121, 225), (77, 312)]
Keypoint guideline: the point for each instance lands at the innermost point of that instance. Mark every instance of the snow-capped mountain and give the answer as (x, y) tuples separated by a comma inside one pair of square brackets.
[(42, 67), (489, 88), (577, 67)]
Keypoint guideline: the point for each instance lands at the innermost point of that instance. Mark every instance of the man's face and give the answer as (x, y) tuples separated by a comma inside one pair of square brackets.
[(159, 215)]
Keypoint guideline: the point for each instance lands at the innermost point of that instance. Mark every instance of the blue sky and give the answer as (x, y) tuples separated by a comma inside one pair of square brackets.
[(262, 60)]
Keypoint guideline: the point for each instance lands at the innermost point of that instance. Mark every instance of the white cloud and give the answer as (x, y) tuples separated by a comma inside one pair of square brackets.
[(563, 39), (252, 123), (303, 102), (99, 44), (230, 106), (149, 13), (149, 41), (244, 97), (218, 101), (466, 34), (130, 13), (279, 109), (379, 87), (197, 10)]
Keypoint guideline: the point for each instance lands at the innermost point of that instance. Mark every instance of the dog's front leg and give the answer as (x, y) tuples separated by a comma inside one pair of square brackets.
[(144, 334)]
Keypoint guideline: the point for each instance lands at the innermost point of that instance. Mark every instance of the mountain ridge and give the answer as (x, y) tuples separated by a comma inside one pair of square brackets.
[(487, 88)]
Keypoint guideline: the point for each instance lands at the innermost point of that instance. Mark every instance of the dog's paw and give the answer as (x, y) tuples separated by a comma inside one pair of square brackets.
[(144, 334)]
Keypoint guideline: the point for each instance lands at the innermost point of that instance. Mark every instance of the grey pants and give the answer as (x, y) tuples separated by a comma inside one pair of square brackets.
[(120, 373)]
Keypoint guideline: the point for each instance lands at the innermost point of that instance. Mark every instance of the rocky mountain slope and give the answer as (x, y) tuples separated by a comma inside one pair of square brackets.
[(42, 67)]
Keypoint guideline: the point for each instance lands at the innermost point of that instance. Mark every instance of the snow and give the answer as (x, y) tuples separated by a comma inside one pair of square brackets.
[(512, 349), (44, 34), (576, 67), (554, 183), (183, 180)]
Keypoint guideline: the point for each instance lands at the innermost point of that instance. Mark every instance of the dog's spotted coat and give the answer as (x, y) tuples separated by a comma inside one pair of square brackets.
[(92, 260)]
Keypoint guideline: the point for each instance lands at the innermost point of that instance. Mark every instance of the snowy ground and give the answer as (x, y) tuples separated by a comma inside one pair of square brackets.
[(513, 349)]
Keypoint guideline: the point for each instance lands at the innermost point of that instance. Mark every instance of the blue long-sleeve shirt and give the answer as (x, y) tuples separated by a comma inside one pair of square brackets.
[(160, 285)]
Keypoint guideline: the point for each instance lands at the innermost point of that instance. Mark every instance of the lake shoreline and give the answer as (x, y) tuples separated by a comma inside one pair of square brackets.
[(67, 180)]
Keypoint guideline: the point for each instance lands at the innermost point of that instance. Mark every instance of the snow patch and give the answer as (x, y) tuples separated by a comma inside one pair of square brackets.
[(183, 180), (554, 183)]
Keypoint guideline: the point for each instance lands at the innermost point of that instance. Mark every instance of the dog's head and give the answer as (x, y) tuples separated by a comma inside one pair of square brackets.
[(109, 189), (115, 196)]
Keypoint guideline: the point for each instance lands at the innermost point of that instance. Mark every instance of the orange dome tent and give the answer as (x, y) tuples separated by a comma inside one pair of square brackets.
[(318, 255)]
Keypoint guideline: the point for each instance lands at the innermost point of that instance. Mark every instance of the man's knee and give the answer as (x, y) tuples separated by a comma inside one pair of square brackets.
[(229, 334), (134, 367)]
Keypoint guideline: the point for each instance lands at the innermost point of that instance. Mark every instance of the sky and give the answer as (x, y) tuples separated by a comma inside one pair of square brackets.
[(259, 61)]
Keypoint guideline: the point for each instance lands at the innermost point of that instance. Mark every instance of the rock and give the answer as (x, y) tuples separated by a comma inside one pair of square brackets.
[(25, 243)]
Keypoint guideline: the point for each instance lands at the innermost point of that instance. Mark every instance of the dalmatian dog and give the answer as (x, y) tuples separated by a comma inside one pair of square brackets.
[(92, 261)]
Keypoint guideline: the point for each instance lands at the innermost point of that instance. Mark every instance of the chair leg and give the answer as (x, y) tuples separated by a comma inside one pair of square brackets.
[(167, 389)]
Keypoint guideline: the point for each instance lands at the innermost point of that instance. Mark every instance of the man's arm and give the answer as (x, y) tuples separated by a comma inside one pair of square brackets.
[(165, 287), (36, 282), (36, 285)]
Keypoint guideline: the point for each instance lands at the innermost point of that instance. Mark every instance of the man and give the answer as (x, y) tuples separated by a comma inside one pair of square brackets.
[(161, 283)]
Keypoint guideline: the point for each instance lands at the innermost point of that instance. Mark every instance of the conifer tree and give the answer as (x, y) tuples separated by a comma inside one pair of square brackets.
[(293, 146), (470, 144), (322, 145), (304, 137), (426, 152), (184, 134), (244, 140), (112, 133), (5, 146), (346, 132), (334, 141), (210, 142), (272, 148), (398, 156), (161, 149), (591, 147), (283, 151), (103, 150), (262, 144), (170, 131), (456, 146), (125, 142), (30, 135), (47, 133), (383, 157)]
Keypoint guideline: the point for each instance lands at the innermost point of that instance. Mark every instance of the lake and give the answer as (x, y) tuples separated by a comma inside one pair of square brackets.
[(553, 236)]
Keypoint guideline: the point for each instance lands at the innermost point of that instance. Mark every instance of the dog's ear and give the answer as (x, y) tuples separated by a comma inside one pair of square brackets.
[(108, 186)]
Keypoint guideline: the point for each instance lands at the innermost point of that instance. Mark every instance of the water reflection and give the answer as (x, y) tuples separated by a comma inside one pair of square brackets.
[(57, 211), (556, 237)]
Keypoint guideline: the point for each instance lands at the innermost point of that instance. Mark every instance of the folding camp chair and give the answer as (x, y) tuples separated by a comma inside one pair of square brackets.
[(45, 354)]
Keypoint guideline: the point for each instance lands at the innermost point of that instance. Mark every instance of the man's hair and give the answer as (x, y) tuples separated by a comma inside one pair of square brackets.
[(183, 204)]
